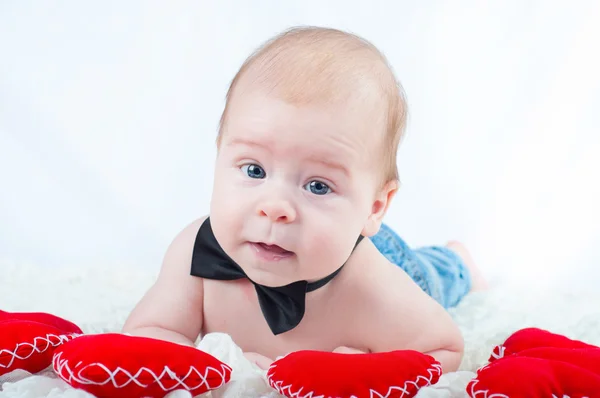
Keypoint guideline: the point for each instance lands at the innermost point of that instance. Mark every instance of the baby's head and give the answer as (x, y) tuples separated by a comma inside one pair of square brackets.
[(306, 154)]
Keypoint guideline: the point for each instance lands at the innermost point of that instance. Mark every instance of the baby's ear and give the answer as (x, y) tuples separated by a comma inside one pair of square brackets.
[(380, 207)]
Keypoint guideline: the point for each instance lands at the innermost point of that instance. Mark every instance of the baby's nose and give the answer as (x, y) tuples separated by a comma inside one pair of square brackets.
[(278, 211)]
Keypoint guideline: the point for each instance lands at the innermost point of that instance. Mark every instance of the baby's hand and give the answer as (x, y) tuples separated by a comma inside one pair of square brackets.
[(348, 350), (260, 360), (264, 363)]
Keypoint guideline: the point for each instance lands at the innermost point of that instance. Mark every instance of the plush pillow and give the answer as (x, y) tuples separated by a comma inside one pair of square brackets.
[(533, 337), (118, 365), (326, 374), (28, 340), (530, 377), (536, 363), (44, 318)]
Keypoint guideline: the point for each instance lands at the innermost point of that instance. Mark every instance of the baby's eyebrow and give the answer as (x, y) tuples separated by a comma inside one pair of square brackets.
[(244, 141), (329, 163), (322, 159)]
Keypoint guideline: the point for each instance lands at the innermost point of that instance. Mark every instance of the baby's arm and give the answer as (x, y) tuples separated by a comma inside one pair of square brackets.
[(172, 308), (407, 318), (398, 315)]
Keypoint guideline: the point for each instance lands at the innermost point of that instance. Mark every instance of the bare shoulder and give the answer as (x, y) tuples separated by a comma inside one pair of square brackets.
[(177, 260), (174, 302), (376, 277), (395, 312)]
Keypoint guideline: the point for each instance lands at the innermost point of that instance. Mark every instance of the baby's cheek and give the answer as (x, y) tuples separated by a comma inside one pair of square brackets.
[(330, 248)]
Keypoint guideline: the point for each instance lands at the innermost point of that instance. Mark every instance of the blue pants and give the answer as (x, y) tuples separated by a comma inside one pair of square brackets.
[(439, 271)]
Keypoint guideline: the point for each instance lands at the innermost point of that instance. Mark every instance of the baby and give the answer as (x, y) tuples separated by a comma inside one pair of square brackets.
[(294, 255)]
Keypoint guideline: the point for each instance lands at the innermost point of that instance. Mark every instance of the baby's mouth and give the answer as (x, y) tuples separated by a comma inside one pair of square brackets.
[(274, 249), (271, 252)]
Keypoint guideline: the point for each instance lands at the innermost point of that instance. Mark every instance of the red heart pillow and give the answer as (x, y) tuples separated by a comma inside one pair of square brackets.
[(117, 365), (28, 340), (326, 374), (42, 317), (528, 377), (533, 337), (536, 363), (586, 358)]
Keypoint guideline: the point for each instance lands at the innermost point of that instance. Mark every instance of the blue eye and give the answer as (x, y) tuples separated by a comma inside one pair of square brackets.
[(318, 187), (254, 171)]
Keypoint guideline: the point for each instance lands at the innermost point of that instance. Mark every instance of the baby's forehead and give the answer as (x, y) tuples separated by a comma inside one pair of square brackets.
[(264, 113), (318, 65), (311, 132)]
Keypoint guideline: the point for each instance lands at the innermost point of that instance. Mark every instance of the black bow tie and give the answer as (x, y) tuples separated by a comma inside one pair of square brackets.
[(282, 306)]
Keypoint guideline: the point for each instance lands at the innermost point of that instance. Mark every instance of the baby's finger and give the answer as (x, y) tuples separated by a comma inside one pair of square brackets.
[(259, 360), (347, 350)]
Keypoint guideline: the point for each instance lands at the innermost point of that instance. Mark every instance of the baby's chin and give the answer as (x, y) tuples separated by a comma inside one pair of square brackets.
[(267, 276), (273, 274), (277, 273), (265, 270)]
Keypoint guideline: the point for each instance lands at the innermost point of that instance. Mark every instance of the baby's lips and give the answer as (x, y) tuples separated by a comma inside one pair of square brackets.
[(274, 248)]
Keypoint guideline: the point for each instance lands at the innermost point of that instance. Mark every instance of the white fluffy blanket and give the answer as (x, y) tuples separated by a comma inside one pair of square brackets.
[(99, 300)]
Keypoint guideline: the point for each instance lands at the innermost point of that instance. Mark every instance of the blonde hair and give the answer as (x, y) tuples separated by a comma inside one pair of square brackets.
[(312, 64)]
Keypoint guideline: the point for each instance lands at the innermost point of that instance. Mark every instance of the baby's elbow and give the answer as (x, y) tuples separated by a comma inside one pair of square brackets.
[(449, 360), (453, 361), (450, 357), (456, 349)]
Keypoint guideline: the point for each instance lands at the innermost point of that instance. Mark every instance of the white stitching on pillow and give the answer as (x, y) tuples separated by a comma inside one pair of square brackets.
[(484, 393), (281, 389), (62, 368), (500, 354), (51, 340), (435, 368), (474, 394)]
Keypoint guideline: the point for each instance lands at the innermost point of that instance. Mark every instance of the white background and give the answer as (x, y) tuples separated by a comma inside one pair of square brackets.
[(108, 114)]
